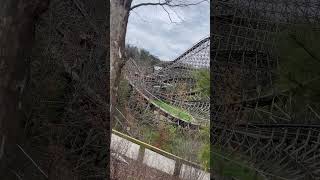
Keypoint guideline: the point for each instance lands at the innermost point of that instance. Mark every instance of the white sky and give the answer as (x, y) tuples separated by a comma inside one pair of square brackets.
[(150, 28)]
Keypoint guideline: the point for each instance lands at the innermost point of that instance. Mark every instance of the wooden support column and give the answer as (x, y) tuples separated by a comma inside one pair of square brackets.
[(177, 168), (141, 154)]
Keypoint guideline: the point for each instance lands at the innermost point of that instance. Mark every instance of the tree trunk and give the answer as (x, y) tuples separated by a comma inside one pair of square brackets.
[(119, 15), (16, 36)]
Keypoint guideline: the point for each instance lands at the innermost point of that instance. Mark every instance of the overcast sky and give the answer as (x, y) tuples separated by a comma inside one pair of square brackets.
[(150, 28)]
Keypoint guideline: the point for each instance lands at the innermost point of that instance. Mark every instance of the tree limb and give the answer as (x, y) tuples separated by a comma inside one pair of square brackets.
[(167, 3), (141, 17), (168, 14)]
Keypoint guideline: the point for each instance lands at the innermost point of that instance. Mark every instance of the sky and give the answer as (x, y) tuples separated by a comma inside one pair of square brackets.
[(149, 27)]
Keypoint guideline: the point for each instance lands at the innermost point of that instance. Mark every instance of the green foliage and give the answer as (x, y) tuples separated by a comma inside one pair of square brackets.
[(172, 131), (204, 153), (179, 142), (175, 111), (202, 78), (205, 133), (299, 52), (204, 156), (149, 135), (234, 166), (142, 56)]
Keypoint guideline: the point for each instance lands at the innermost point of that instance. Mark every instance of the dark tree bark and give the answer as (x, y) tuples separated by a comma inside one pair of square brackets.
[(16, 36)]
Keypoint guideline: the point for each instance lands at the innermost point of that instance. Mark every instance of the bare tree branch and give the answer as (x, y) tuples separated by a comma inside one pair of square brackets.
[(168, 14), (167, 3), (141, 17), (177, 14)]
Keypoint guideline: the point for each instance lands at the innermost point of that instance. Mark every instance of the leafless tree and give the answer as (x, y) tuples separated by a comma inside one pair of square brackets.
[(119, 15)]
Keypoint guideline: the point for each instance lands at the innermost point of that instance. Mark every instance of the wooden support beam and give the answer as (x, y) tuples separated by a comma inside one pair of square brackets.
[(177, 168), (141, 154)]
